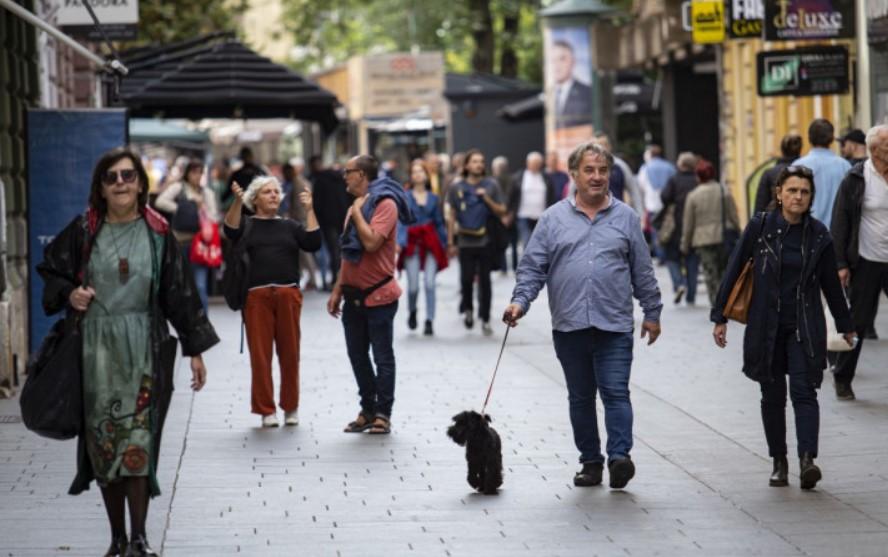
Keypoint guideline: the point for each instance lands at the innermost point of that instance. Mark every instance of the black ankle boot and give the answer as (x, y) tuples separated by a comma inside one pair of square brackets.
[(780, 475), (117, 547), (809, 473), (428, 329), (411, 321), (139, 547)]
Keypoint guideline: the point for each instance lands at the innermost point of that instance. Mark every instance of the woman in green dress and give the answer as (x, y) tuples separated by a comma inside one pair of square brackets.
[(118, 265)]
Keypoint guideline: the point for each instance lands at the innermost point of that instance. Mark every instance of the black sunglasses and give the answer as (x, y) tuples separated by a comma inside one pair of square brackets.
[(128, 176), (800, 170)]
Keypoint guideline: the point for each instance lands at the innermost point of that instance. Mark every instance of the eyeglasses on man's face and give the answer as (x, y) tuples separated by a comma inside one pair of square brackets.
[(347, 171)]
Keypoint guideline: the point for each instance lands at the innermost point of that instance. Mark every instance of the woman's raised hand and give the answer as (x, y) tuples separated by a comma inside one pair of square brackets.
[(305, 199), (237, 191)]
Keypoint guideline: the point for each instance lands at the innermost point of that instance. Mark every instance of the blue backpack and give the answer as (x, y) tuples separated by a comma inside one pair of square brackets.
[(472, 213)]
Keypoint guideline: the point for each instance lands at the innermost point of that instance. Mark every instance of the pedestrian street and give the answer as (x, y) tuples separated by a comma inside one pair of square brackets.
[(231, 487)]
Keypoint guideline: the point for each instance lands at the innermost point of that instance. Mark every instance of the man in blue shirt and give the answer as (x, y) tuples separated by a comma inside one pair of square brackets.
[(589, 251), (829, 169)]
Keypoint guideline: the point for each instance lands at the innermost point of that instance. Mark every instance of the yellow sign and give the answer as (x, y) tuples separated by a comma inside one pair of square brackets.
[(708, 21)]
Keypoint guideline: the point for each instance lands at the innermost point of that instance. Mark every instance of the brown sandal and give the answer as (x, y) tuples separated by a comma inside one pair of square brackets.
[(362, 423), (380, 426)]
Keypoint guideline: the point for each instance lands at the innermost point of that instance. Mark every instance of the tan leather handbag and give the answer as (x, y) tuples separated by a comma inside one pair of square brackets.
[(737, 306)]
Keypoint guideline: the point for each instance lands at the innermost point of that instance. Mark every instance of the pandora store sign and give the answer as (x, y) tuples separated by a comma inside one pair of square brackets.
[(794, 20), (119, 18)]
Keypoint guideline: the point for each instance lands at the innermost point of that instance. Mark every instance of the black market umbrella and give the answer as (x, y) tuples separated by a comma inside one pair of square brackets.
[(219, 77)]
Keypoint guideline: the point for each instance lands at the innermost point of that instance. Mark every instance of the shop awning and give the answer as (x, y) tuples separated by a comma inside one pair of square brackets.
[(150, 130), (219, 77)]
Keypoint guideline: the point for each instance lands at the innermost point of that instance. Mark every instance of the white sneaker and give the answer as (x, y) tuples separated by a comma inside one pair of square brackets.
[(270, 420), (486, 328), (291, 418)]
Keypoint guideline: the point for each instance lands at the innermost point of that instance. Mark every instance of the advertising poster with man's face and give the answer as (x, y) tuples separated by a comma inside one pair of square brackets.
[(569, 88)]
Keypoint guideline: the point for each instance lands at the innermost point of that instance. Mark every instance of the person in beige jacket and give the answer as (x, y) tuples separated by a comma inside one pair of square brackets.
[(702, 228), (191, 189)]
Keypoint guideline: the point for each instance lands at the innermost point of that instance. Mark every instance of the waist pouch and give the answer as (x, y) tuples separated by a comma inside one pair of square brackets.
[(357, 296)]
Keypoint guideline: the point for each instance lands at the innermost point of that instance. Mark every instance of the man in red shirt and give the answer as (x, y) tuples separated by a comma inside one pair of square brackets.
[(366, 284)]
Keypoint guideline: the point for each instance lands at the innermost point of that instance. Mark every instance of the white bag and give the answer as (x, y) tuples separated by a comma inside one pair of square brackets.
[(835, 342)]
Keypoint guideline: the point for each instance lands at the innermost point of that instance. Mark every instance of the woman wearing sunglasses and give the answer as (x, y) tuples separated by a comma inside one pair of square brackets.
[(793, 262), (120, 267)]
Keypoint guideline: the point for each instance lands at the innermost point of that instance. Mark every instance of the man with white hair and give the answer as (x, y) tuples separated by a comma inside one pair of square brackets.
[(532, 192), (860, 236)]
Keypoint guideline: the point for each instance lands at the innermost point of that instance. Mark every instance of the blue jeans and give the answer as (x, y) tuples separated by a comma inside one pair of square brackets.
[(683, 271), (367, 328), (525, 230), (790, 359), (201, 274), (597, 361), (411, 265)]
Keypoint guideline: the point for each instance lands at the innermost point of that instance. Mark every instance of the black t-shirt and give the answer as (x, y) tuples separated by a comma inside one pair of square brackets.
[(790, 273), (273, 246)]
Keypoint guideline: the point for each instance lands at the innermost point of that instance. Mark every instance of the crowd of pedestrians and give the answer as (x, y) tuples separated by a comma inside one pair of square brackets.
[(592, 235)]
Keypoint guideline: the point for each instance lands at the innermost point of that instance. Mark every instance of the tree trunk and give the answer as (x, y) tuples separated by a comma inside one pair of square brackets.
[(508, 58), (482, 35)]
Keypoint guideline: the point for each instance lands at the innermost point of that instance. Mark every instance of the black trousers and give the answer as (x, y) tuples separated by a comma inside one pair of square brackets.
[(789, 360), (331, 241), (866, 287), (476, 261)]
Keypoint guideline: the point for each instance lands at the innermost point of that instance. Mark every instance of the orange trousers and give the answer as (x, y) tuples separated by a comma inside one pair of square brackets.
[(271, 316)]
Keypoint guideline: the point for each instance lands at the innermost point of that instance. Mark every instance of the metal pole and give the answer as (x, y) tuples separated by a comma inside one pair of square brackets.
[(864, 87), (111, 65)]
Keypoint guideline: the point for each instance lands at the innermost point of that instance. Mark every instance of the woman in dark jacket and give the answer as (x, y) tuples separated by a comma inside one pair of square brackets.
[(120, 266), (793, 262)]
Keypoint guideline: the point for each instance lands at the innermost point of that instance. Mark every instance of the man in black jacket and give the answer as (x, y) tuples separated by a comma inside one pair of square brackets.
[(532, 192), (860, 234), (790, 150), (331, 202)]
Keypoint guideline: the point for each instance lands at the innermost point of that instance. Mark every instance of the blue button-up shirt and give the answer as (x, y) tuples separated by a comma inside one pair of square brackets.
[(829, 171), (592, 268)]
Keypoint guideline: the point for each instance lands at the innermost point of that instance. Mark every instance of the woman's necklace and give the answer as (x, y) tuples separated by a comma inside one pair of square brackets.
[(122, 262)]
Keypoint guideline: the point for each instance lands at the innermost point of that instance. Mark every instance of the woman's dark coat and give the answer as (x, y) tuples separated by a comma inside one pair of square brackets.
[(762, 240), (173, 298)]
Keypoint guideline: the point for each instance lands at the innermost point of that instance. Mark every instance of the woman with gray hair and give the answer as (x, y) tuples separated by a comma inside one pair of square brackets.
[(683, 267), (274, 302)]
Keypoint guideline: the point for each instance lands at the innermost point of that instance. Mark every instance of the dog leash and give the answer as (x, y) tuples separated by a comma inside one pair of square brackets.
[(495, 369)]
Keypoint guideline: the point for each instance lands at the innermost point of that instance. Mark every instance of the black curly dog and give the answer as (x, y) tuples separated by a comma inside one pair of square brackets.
[(484, 451)]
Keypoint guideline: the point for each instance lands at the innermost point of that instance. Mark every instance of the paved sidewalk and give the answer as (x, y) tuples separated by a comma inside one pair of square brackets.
[(230, 487)]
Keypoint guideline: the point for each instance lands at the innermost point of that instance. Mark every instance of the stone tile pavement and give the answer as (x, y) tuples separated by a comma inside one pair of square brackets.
[(230, 487)]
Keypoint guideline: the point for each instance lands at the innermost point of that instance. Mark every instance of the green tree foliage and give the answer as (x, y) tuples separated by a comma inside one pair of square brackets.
[(495, 36), (162, 21)]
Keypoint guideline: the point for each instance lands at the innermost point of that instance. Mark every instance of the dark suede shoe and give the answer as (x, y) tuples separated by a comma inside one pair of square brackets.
[(411, 321), (590, 474), (844, 391), (117, 547), (780, 475), (620, 470), (809, 473), (427, 331)]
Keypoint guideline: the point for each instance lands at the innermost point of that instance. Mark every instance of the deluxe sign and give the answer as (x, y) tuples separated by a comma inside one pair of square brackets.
[(805, 72), (792, 20), (119, 18), (745, 18)]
